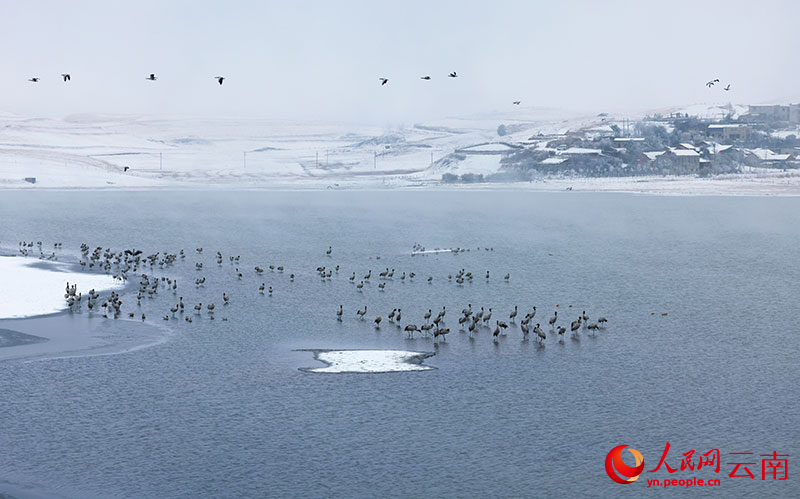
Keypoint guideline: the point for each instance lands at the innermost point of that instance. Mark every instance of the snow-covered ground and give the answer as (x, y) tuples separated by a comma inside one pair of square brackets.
[(141, 152), (30, 287), (369, 361)]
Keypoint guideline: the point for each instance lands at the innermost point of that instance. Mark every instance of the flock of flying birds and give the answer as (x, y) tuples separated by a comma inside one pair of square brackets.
[(151, 77), (711, 83), (220, 79)]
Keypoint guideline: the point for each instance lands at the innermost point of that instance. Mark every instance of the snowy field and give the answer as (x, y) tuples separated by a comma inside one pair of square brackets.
[(140, 152)]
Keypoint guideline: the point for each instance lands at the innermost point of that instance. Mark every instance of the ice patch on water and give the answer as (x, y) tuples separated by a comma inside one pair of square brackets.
[(34, 287), (369, 361)]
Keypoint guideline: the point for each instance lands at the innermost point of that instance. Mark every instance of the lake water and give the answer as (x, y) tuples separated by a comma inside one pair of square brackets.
[(222, 408)]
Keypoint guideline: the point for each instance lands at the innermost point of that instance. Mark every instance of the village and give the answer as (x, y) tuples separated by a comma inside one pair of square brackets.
[(763, 137)]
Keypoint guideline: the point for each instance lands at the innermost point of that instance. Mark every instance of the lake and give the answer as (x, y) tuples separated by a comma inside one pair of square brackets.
[(224, 409)]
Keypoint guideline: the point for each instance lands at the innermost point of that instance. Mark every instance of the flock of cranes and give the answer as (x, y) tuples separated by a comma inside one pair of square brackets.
[(220, 79), (129, 264), (472, 321), (67, 77), (711, 83)]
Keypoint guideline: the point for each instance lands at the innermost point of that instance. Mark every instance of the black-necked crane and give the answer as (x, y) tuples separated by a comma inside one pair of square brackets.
[(426, 77), (219, 79), (361, 313), (496, 332), (428, 314), (593, 326), (585, 317), (383, 81), (35, 79), (378, 320), (66, 77), (562, 330), (554, 318), (339, 313), (391, 314), (513, 314), (488, 316), (516, 102), (602, 321), (360, 285), (152, 77), (541, 334), (507, 276), (330, 250), (525, 330), (399, 316), (453, 75), (441, 332), (575, 325)]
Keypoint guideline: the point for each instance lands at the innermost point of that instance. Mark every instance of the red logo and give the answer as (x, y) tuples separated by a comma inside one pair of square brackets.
[(615, 466)]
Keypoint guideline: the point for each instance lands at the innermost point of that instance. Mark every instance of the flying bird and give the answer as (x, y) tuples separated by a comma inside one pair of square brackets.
[(219, 79), (711, 83), (152, 77), (65, 76), (453, 75), (384, 81), (426, 77), (727, 88), (517, 102), (34, 79)]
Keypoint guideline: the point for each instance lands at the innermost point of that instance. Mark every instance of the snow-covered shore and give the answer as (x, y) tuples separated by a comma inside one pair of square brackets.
[(31, 287)]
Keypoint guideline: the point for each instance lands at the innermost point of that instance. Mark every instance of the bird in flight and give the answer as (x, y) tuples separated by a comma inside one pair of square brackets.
[(426, 77), (453, 75), (219, 79), (727, 88), (517, 102), (152, 77), (384, 81), (711, 83), (65, 76), (35, 79)]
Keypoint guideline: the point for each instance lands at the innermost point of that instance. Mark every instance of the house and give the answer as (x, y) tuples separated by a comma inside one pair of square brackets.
[(624, 142), (767, 157), (686, 158), (732, 131), (790, 113)]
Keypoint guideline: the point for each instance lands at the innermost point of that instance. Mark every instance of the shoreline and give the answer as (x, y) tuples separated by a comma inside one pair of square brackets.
[(778, 184)]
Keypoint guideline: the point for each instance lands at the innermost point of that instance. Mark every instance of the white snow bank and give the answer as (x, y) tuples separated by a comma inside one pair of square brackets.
[(31, 287), (369, 361)]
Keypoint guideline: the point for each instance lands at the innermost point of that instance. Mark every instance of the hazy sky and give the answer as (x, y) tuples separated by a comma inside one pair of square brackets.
[(322, 59)]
